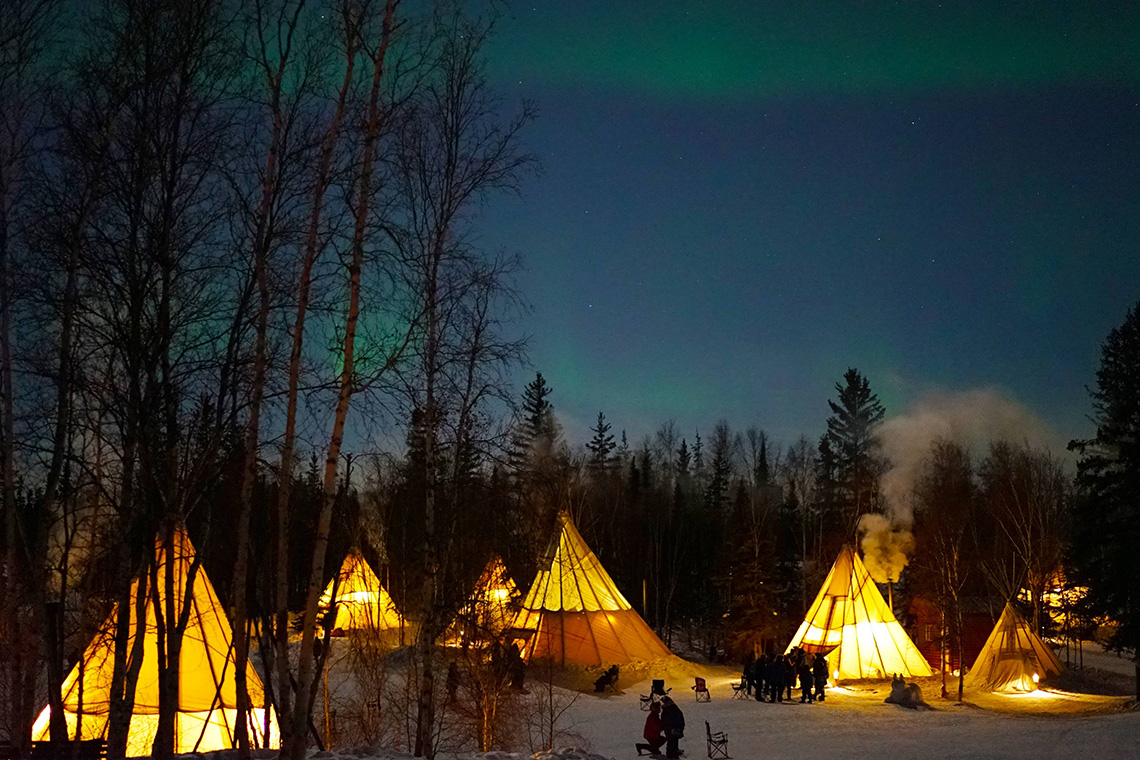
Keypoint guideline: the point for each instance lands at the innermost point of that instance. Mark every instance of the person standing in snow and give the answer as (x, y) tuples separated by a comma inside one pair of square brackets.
[(760, 676), (674, 721), (776, 678), (819, 670), (654, 732), (746, 672), (789, 676), (805, 675)]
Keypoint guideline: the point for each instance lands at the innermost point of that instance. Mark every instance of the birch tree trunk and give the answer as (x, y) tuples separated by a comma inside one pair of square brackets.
[(285, 703), (306, 677)]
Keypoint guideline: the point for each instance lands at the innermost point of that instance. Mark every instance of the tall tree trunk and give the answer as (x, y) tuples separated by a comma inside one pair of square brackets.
[(54, 643), (306, 678), (262, 242), (429, 551), (169, 646), (18, 663), (285, 704)]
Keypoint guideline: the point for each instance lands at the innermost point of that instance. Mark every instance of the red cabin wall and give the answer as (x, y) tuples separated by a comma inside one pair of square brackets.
[(926, 620)]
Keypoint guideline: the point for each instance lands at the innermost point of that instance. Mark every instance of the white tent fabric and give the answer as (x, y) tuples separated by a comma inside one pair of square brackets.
[(362, 603), (574, 613), (207, 694), (850, 622), (1013, 654)]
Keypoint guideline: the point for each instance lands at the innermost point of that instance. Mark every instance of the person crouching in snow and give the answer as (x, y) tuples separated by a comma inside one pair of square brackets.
[(654, 731), (674, 721)]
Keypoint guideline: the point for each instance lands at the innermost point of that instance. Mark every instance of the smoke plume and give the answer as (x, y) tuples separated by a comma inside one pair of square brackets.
[(972, 419)]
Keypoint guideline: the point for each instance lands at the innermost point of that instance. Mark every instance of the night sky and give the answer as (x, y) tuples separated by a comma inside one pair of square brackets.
[(741, 201)]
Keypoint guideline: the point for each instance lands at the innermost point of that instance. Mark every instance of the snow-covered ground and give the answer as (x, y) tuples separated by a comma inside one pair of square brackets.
[(856, 723), (853, 722)]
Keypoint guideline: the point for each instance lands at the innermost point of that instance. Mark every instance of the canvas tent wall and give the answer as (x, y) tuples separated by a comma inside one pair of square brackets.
[(490, 610), (1011, 657), (362, 603), (573, 613), (850, 622), (207, 694)]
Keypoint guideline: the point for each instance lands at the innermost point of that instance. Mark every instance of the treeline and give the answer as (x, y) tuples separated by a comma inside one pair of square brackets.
[(723, 540)]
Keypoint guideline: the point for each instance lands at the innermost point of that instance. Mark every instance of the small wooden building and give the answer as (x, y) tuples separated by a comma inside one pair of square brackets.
[(978, 617)]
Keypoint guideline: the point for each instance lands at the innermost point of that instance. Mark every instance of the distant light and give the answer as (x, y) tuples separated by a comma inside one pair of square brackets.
[(835, 674), (956, 672), (1036, 678)]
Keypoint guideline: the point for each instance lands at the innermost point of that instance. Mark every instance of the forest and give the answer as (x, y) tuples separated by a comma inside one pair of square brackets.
[(244, 295)]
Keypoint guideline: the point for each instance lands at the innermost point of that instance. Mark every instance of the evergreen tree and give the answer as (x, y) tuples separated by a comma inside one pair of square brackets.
[(536, 430), (763, 471), (720, 470), (698, 457), (852, 430), (1106, 528), (683, 459), (601, 446)]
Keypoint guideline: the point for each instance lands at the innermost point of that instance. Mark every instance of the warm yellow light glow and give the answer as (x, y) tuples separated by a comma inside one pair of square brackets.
[(835, 674), (851, 624), (1036, 678), (956, 672)]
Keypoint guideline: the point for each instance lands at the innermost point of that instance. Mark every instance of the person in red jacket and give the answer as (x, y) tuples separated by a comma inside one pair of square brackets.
[(654, 731)]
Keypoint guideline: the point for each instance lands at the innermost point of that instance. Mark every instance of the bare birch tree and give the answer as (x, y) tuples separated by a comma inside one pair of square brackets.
[(453, 149)]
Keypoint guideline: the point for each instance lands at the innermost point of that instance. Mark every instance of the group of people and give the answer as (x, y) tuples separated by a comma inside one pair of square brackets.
[(774, 677), (665, 725)]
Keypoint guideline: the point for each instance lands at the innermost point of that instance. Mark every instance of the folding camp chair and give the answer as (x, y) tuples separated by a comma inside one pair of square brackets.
[(700, 690), (612, 686), (740, 690), (716, 744)]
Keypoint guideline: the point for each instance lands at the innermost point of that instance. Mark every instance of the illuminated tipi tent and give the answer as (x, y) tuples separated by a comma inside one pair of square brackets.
[(1014, 658), (207, 695), (491, 608), (362, 603), (850, 622), (575, 615)]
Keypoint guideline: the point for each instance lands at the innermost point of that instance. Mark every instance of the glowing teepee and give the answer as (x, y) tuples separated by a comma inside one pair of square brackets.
[(491, 608), (207, 695), (576, 615), (1014, 658), (362, 603), (850, 622)]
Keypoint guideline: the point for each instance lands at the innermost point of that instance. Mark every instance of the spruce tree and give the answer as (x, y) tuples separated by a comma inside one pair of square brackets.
[(683, 459), (852, 430), (536, 428), (763, 470), (601, 446), (1106, 525)]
